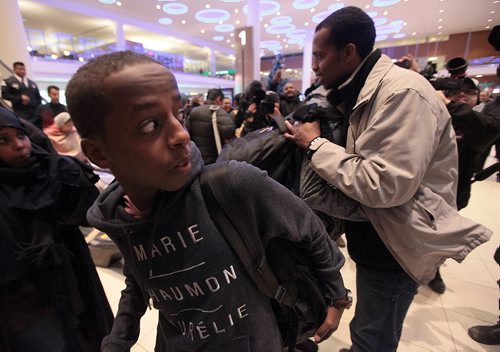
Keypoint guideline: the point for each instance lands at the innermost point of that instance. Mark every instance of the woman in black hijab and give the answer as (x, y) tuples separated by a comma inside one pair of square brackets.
[(51, 298)]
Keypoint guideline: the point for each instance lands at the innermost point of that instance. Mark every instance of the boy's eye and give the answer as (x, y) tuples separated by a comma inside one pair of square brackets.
[(3, 140), (149, 126), (21, 135)]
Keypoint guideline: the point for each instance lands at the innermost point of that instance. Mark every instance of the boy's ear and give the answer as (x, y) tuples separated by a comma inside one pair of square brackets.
[(93, 149)]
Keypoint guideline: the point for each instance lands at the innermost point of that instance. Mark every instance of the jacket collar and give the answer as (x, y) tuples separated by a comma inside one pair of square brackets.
[(378, 72)]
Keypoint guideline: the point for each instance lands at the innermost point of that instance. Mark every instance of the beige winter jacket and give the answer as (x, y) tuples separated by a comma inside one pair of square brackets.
[(400, 163)]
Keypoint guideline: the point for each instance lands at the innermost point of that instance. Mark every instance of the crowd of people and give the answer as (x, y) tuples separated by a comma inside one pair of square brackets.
[(372, 144)]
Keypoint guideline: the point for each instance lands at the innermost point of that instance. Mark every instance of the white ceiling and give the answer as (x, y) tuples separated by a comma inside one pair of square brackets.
[(413, 20)]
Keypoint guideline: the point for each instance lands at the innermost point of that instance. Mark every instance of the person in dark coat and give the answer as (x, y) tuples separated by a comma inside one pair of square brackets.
[(47, 112), (289, 100), (201, 129), (23, 93), (51, 298)]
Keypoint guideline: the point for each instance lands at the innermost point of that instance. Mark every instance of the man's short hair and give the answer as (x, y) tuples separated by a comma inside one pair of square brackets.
[(214, 94), (350, 25), (87, 103), (17, 63), (49, 88)]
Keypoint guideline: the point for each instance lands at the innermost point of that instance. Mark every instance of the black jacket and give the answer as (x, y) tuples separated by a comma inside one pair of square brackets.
[(179, 262), (43, 252), (289, 104), (475, 133), (202, 134), (12, 91)]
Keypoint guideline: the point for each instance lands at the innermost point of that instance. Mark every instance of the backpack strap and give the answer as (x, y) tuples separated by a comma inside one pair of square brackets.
[(213, 109), (221, 202)]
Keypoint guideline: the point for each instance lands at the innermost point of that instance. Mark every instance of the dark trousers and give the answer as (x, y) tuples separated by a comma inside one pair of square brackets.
[(382, 301), (46, 335)]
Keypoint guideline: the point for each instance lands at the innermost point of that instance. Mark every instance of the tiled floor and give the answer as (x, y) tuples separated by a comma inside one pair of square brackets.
[(434, 322)]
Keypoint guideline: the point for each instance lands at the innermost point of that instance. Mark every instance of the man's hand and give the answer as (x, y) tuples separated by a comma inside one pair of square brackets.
[(441, 95), (302, 133), (25, 99), (330, 325)]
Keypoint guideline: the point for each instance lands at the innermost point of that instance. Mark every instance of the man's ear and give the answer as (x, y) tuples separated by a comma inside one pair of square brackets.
[(350, 53), (93, 149)]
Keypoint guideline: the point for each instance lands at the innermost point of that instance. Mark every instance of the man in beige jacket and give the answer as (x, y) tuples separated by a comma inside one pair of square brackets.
[(398, 159)]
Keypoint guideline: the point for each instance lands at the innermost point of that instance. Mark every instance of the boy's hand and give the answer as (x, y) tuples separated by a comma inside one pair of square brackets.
[(330, 324)]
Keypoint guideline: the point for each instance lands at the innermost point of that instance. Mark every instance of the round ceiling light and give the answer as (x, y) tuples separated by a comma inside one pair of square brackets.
[(107, 2), (175, 8), (383, 3), (297, 34), (305, 4), (280, 28), (212, 16), (320, 16), (165, 20), (281, 20), (399, 35), (372, 14), (266, 8), (224, 28), (380, 21), (218, 38), (269, 43), (335, 7), (378, 38)]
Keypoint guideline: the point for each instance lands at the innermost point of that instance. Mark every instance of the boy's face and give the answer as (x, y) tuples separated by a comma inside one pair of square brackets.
[(15, 146), (146, 145)]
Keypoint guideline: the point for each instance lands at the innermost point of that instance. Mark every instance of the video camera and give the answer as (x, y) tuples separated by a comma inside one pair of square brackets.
[(263, 101)]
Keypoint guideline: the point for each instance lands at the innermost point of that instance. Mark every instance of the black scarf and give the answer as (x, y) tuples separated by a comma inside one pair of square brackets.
[(348, 95)]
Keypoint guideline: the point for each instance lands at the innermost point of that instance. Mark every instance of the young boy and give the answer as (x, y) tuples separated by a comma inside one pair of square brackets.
[(125, 106)]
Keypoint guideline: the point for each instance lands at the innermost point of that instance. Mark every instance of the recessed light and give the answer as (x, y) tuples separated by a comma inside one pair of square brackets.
[(284, 39), (441, 11), (286, 45), (158, 7), (207, 6), (306, 24), (487, 27), (414, 33), (202, 31), (492, 11), (386, 13), (490, 20), (229, 41), (231, 34), (232, 45), (266, 25), (278, 36), (118, 3), (278, 13), (312, 10), (440, 27), (236, 10), (183, 21), (367, 7), (237, 21), (440, 20)]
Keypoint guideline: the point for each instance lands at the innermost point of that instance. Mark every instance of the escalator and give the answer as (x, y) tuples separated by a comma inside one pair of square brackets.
[(5, 72)]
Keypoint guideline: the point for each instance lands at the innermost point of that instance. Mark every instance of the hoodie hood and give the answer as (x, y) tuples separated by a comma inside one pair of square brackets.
[(108, 215)]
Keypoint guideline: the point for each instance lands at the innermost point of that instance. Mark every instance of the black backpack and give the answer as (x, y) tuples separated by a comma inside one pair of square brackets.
[(277, 268)]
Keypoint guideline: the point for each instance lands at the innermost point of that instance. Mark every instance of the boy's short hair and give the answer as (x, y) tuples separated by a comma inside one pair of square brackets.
[(87, 103), (49, 88)]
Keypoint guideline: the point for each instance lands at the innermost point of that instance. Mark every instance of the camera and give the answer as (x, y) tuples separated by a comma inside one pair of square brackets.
[(403, 64)]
